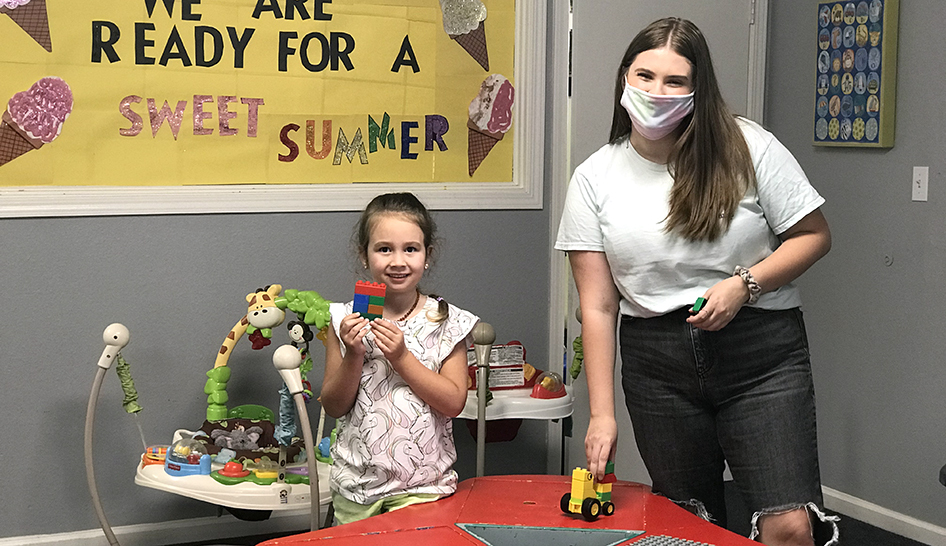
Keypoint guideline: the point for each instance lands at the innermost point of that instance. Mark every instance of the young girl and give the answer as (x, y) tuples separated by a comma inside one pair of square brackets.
[(395, 383)]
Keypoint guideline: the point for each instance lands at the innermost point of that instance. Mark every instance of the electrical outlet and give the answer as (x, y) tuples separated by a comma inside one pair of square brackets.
[(920, 183)]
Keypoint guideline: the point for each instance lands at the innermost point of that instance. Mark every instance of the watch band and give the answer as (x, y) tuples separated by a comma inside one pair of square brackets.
[(754, 289)]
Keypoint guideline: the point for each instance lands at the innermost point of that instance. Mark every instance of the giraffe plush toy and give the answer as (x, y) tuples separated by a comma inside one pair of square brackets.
[(261, 316), (263, 313)]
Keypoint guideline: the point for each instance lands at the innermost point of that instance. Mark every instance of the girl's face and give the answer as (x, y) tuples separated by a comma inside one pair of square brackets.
[(660, 72), (396, 254)]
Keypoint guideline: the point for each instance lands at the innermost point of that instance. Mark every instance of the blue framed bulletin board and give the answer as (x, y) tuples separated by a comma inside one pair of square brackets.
[(856, 71)]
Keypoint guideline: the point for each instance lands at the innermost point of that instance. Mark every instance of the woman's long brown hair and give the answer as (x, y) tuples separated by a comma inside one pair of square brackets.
[(710, 162)]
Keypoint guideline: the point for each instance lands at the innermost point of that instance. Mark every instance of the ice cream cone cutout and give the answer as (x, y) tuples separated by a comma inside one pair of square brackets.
[(463, 21), (31, 16), (474, 42), (34, 117), (490, 118)]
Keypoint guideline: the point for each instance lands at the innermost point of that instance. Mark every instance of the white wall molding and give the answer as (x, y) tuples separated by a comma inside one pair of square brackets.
[(758, 46), (558, 170), (888, 520), (172, 532)]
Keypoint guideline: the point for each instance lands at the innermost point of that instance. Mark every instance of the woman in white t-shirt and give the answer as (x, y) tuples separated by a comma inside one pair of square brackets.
[(688, 203)]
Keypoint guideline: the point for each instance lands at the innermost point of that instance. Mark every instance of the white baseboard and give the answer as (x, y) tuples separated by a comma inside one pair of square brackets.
[(885, 519), (172, 532)]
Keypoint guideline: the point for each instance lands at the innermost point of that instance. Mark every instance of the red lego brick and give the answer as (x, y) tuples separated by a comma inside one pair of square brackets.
[(370, 288)]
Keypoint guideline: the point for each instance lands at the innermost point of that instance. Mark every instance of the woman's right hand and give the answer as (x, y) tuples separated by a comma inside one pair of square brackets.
[(601, 444), (599, 299), (352, 331)]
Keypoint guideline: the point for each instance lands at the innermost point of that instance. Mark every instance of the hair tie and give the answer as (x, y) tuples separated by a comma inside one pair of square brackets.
[(439, 299)]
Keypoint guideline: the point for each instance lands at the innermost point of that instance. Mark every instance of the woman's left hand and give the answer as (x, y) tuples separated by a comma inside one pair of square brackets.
[(723, 301), (390, 340)]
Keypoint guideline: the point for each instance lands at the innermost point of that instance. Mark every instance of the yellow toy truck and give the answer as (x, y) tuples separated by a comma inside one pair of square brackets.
[(589, 497)]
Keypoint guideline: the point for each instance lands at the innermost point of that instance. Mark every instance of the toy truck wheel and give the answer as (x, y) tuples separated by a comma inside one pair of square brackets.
[(607, 508), (566, 499), (590, 508)]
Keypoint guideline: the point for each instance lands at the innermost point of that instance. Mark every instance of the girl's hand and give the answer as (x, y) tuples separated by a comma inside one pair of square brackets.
[(390, 340), (723, 301), (352, 331), (600, 444)]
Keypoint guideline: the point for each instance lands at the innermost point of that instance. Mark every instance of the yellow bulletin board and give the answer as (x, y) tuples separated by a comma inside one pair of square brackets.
[(203, 106)]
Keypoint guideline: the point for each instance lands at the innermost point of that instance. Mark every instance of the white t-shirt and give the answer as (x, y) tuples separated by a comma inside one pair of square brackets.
[(617, 203), (392, 442)]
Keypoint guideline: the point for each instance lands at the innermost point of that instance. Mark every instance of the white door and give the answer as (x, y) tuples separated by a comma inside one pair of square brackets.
[(601, 31)]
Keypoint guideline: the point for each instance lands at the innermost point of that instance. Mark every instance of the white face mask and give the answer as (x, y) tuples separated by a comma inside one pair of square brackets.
[(655, 116)]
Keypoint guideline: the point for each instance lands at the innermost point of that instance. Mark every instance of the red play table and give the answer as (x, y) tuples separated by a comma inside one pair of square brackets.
[(525, 510)]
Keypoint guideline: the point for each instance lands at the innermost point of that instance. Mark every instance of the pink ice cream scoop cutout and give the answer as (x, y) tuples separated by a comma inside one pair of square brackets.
[(41, 110), (491, 109)]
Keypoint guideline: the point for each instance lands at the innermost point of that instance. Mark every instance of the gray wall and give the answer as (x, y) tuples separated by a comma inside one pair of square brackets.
[(178, 283), (876, 331)]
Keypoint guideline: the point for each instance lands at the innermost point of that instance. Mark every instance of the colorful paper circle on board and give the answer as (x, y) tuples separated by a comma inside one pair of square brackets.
[(824, 16), (876, 10), (857, 129), (848, 60), (873, 83), (837, 15), (822, 107), (847, 83), (824, 39), (845, 130), (836, 37), (847, 106), (874, 33), (821, 128), (870, 129), (835, 83), (873, 105), (836, 61), (873, 58), (860, 83), (860, 60), (860, 105), (824, 62), (861, 35), (848, 38), (834, 127), (823, 84), (849, 13), (834, 106), (861, 13)]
